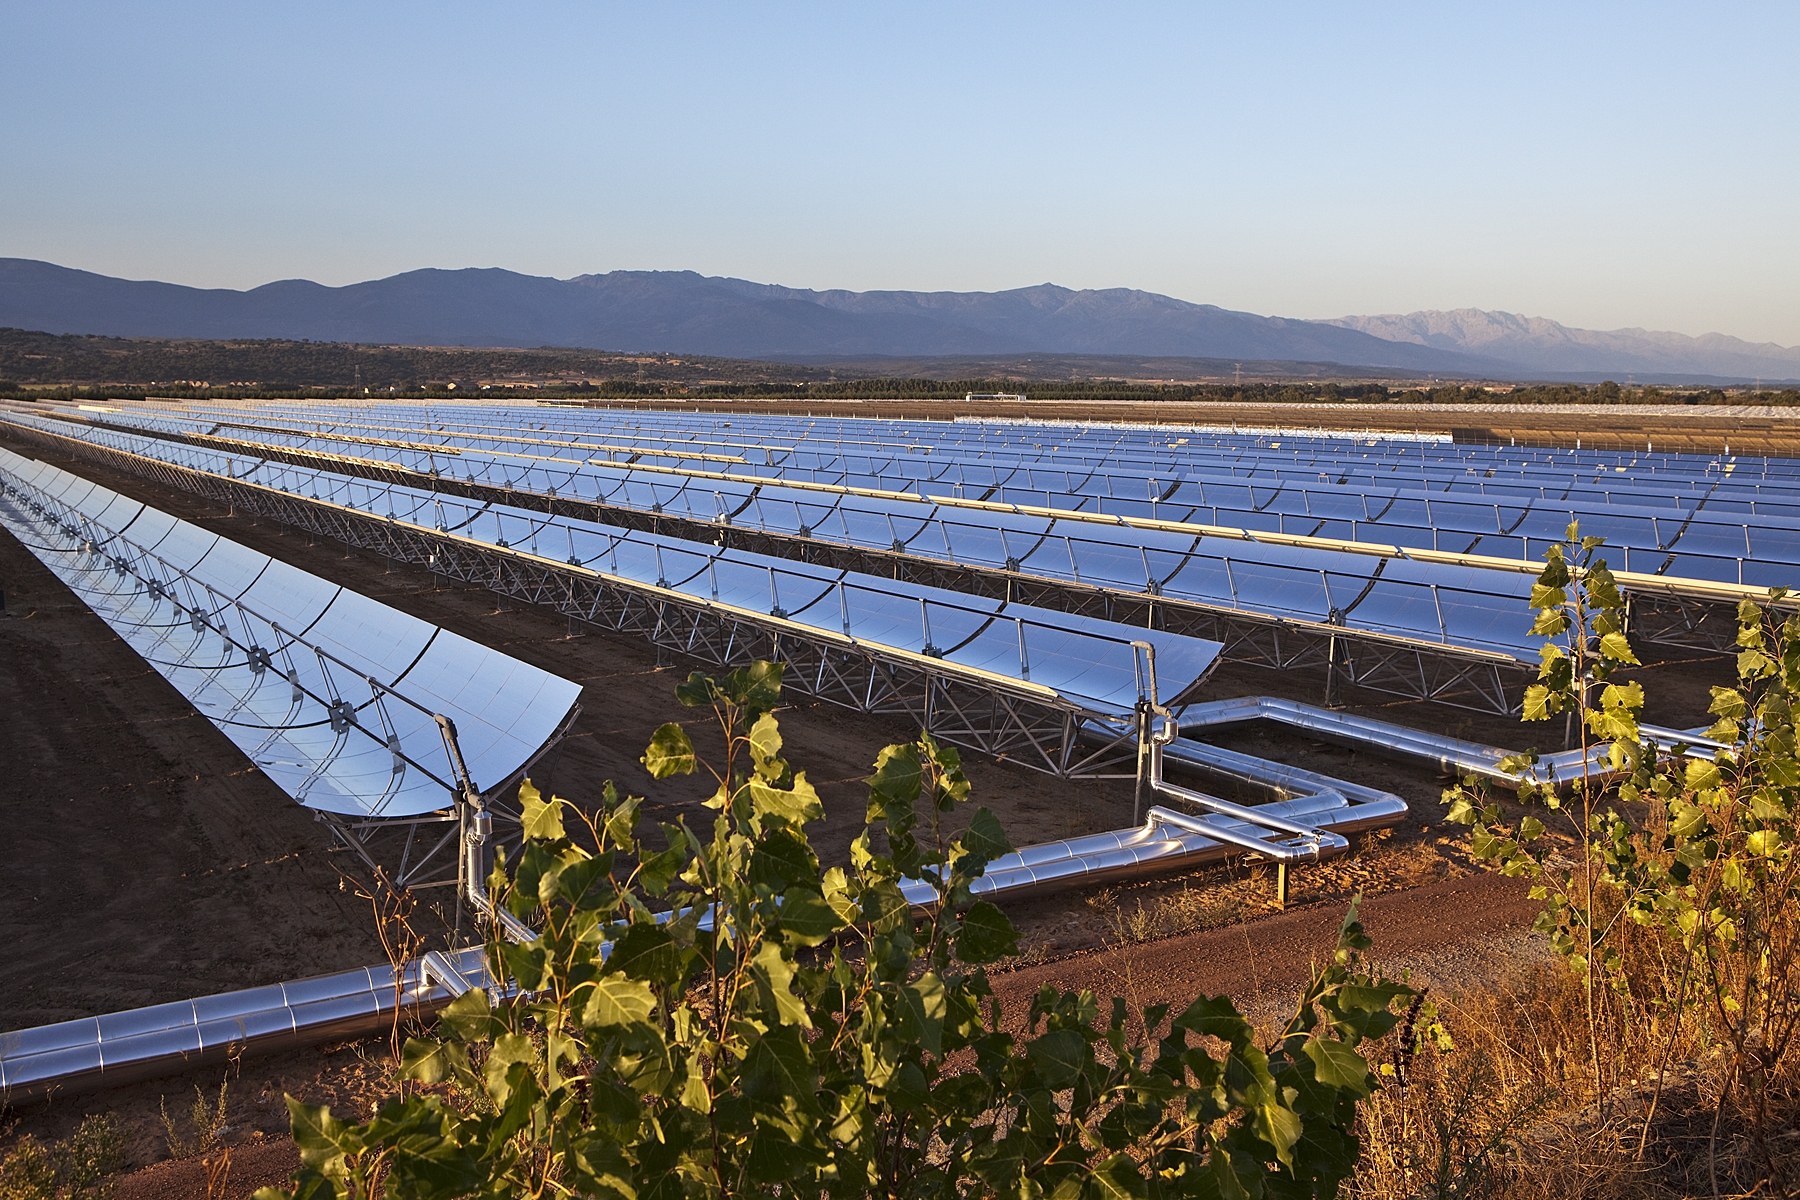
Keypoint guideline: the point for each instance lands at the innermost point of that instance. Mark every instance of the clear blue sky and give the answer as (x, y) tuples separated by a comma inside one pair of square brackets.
[(1605, 165)]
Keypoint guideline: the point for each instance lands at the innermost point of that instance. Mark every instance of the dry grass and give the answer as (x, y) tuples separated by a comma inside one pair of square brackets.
[(1162, 916), (1513, 1109)]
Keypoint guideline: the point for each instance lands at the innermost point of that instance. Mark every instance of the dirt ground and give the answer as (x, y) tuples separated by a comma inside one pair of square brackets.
[(151, 863)]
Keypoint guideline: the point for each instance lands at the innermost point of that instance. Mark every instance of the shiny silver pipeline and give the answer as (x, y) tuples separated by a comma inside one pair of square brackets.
[(142, 1043), (1451, 756)]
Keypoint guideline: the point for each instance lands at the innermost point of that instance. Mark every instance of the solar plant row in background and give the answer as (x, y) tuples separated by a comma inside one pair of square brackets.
[(1682, 543), (953, 464), (777, 441), (1459, 607), (332, 694), (1089, 662), (927, 453)]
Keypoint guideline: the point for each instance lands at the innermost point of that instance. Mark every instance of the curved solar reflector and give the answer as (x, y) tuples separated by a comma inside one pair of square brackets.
[(1090, 661), (333, 695), (1093, 663)]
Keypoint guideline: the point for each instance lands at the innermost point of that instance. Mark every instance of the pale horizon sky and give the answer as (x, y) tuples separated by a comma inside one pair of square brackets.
[(1604, 165)]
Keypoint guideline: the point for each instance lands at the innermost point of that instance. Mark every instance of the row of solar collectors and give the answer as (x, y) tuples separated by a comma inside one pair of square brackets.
[(264, 650), (751, 435), (772, 441), (1092, 662), (1637, 480), (1449, 605), (1765, 553), (1515, 528)]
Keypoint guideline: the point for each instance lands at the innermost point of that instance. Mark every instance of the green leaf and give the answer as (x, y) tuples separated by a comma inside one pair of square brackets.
[(1765, 842), (1338, 1065), (1279, 1126), (583, 882), (321, 1138), (897, 779), (884, 907), (646, 952), (1118, 1178), (796, 805), (1702, 775), (616, 1000), (1058, 1057), (694, 1094), (511, 1062), (986, 934), (1616, 647), (1727, 703), (765, 744), (1537, 703), (781, 859), (697, 690), (309, 1184), (982, 842), (774, 975), (1214, 1016), (435, 1168), (424, 1060), (779, 1067), (921, 1008), (470, 1017), (755, 688), (807, 918), (542, 819), (670, 752)]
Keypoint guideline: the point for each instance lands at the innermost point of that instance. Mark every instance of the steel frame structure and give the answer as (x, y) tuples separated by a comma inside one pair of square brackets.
[(1415, 670), (1007, 718), (1675, 620)]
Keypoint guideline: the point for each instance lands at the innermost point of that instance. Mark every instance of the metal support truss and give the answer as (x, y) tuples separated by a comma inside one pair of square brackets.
[(405, 852), (1030, 725), (1415, 670), (1683, 621)]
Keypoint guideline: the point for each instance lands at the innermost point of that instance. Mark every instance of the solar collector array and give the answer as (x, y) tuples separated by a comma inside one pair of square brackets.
[(1671, 541), (1088, 660), (330, 693), (1449, 605), (812, 442)]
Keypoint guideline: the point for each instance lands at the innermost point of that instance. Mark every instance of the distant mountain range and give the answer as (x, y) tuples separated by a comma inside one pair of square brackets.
[(687, 313), (1539, 345)]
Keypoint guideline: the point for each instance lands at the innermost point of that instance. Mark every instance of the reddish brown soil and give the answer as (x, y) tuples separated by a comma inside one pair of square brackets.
[(151, 863)]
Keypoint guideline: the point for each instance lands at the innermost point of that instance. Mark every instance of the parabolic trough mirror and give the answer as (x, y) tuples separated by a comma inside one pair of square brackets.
[(336, 697)]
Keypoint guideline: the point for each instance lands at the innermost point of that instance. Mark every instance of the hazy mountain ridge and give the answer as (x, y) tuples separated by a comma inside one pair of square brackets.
[(684, 312), (1538, 343)]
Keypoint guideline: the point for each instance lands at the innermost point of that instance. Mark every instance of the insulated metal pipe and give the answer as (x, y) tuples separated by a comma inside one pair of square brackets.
[(1452, 756), (142, 1043)]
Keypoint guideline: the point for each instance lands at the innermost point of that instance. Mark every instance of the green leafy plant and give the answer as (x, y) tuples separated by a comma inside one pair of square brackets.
[(723, 1016), (1686, 860), (81, 1165)]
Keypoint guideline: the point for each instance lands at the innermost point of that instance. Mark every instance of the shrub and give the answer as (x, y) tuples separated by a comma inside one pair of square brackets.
[(721, 1016)]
